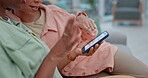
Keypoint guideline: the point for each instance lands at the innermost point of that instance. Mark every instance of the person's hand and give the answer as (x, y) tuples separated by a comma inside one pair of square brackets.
[(70, 38), (93, 49), (12, 16), (78, 50), (88, 27)]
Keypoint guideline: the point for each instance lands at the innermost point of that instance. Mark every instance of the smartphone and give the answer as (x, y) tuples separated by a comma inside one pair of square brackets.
[(95, 41)]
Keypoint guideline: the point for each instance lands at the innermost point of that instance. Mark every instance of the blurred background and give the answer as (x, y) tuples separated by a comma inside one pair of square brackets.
[(126, 17)]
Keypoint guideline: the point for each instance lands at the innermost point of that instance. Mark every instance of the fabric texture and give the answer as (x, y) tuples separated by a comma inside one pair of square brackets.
[(21, 53), (126, 64), (103, 58), (37, 26)]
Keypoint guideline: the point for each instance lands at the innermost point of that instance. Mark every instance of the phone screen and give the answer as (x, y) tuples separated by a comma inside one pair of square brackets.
[(95, 41)]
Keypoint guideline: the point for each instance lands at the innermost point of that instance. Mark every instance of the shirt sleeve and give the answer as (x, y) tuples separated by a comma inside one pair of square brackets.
[(21, 54), (25, 55), (8, 69)]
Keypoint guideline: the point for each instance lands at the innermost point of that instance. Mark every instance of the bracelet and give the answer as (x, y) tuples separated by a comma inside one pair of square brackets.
[(82, 13), (70, 57)]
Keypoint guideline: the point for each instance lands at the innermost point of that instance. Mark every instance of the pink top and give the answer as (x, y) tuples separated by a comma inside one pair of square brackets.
[(103, 58)]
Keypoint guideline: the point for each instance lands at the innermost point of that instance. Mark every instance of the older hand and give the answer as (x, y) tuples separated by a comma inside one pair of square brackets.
[(88, 27), (70, 38), (78, 50), (93, 49)]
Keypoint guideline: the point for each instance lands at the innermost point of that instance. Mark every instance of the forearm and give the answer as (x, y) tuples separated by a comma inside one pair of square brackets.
[(47, 68), (63, 63), (51, 61), (66, 61), (56, 55)]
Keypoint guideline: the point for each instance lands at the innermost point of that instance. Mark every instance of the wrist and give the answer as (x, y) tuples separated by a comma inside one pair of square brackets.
[(57, 54), (53, 58), (72, 56)]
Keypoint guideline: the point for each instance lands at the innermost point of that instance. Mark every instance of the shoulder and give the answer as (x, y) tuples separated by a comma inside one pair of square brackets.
[(5, 27), (56, 8), (8, 30)]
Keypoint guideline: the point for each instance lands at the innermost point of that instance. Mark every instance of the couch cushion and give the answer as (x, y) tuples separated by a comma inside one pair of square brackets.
[(128, 3), (124, 48), (127, 13)]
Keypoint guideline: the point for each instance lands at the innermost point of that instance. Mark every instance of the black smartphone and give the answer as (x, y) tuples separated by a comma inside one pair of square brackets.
[(95, 41)]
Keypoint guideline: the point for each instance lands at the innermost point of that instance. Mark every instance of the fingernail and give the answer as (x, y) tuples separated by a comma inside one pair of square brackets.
[(92, 34)]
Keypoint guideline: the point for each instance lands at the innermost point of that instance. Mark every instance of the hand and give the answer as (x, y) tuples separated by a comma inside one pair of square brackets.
[(93, 49), (70, 38), (88, 27), (12, 16), (78, 50)]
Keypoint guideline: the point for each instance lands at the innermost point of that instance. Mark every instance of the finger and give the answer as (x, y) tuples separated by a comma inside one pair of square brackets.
[(76, 34), (80, 36), (82, 44), (90, 23), (78, 51), (101, 42), (74, 39), (90, 26), (91, 51), (96, 47), (83, 22), (69, 26), (93, 24), (92, 29), (70, 30)]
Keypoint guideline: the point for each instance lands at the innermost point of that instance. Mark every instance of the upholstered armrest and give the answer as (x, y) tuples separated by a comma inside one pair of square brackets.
[(141, 6), (116, 38), (114, 5)]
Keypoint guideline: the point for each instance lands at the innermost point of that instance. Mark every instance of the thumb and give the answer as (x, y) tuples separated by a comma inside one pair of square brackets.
[(82, 44), (78, 49)]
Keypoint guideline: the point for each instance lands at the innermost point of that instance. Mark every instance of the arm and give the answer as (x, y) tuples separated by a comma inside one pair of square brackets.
[(50, 62), (56, 55)]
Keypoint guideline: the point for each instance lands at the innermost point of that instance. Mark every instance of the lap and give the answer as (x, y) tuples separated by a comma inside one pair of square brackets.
[(118, 76), (126, 64)]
